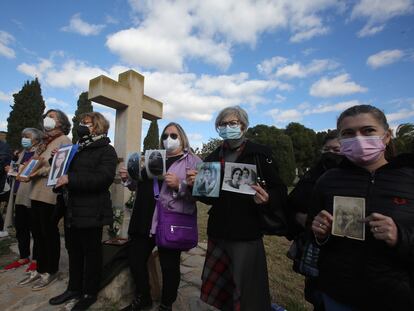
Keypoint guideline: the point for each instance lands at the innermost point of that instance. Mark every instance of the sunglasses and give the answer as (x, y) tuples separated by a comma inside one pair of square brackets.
[(172, 135)]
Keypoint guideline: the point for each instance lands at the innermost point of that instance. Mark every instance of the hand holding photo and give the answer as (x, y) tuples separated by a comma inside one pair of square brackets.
[(14, 169), (155, 163), (30, 167), (207, 181), (134, 165), (238, 177), (348, 216)]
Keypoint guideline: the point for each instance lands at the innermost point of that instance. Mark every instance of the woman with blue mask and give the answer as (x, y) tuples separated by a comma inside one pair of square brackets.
[(235, 236), (374, 272)]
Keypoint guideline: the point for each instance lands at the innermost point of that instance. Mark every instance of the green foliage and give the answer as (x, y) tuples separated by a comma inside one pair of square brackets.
[(151, 141), (84, 105), (404, 138), (27, 111), (304, 144), (209, 147), (281, 146)]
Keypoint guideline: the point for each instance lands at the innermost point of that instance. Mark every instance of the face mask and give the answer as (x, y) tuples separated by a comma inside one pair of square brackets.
[(49, 123), (82, 131), (26, 142), (171, 145), (331, 160), (230, 132), (363, 150)]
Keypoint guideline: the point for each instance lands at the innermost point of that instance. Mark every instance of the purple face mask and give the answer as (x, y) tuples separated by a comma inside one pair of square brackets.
[(363, 150)]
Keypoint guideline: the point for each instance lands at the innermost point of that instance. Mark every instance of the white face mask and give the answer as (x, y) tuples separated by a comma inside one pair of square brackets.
[(49, 123), (171, 145)]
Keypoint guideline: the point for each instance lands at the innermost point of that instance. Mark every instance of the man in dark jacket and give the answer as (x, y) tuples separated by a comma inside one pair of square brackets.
[(5, 158)]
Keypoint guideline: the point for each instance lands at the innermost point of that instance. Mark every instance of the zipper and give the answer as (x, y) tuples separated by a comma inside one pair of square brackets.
[(178, 227)]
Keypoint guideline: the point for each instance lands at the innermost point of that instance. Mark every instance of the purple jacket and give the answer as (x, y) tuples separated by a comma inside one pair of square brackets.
[(180, 200)]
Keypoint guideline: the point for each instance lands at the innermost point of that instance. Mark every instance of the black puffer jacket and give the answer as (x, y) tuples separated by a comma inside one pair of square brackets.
[(235, 216), (91, 173), (369, 274)]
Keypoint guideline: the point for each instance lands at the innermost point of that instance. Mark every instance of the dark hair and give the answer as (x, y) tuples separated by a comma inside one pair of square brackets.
[(329, 136), (377, 114), (234, 171), (62, 118)]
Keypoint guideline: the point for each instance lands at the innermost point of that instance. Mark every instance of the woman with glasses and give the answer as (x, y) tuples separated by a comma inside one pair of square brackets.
[(175, 195), (236, 257)]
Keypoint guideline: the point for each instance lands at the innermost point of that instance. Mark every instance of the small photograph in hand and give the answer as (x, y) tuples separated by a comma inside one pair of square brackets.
[(134, 165), (14, 169), (348, 213), (29, 168), (238, 177), (155, 163), (57, 168), (207, 182)]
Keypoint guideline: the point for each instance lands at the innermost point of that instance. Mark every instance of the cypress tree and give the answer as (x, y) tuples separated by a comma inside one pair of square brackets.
[(27, 111), (151, 140), (84, 105)]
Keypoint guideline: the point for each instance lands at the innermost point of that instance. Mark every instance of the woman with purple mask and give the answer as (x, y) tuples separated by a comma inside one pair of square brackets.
[(375, 273)]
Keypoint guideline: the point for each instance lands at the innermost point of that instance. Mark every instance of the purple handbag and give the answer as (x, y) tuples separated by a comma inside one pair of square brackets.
[(174, 230)]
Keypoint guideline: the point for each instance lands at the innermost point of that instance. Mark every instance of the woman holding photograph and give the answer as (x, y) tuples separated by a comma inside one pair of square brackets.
[(376, 273), (89, 208), (56, 126), (174, 194), (235, 240)]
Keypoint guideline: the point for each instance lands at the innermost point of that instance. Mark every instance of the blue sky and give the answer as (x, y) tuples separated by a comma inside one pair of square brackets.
[(281, 60)]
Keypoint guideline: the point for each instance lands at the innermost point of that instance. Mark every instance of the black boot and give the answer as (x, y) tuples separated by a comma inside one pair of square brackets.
[(139, 303), (164, 307), (84, 303), (65, 296)]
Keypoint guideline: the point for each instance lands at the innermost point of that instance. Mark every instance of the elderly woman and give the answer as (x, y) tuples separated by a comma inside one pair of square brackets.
[(235, 256), (43, 200), (31, 138), (375, 273), (174, 194), (89, 208)]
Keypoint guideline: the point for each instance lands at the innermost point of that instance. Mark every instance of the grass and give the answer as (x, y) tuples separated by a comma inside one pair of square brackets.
[(286, 286)]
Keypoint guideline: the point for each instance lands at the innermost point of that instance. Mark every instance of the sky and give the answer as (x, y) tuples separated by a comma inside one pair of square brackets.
[(281, 60)]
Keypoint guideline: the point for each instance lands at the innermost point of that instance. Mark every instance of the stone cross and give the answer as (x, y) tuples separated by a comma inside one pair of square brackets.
[(126, 96)]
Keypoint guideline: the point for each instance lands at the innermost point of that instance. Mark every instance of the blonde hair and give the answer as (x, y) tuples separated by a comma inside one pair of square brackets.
[(100, 123)]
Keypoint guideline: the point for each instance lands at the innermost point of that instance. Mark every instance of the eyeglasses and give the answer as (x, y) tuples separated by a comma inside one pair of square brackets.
[(232, 124), (172, 135)]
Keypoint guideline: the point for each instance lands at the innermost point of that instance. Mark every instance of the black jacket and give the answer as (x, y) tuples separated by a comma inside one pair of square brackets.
[(91, 173), (5, 157), (235, 216), (369, 274)]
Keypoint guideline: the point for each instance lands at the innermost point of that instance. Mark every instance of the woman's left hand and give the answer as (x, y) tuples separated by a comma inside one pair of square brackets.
[(261, 196), (172, 180), (383, 228), (63, 180)]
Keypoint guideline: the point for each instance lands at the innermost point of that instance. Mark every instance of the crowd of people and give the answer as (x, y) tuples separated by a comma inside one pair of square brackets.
[(374, 271)]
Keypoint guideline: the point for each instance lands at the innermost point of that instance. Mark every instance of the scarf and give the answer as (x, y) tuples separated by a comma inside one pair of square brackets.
[(88, 140)]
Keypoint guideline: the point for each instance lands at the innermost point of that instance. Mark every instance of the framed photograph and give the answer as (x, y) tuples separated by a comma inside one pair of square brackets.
[(14, 169), (207, 182), (155, 163), (134, 165), (29, 168), (59, 162), (238, 177), (348, 213)]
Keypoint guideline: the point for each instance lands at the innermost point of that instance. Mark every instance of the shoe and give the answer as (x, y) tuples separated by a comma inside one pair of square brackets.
[(84, 303), (45, 280), (4, 234), (163, 307), (33, 276), (139, 303), (65, 296), (32, 267), (16, 264)]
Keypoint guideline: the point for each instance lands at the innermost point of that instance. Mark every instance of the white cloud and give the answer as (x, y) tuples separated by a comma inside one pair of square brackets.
[(77, 25), (56, 102), (5, 40), (268, 65), (280, 99), (298, 70), (337, 86), (378, 13), (324, 108), (402, 114), (36, 70), (285, 116), (384, 58), (5, 97), (169, 32)]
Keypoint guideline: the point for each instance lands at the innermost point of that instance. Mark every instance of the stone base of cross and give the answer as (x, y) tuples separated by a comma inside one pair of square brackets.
[(126, 96)]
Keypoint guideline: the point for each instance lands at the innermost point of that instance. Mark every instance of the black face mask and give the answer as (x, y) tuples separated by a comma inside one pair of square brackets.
[(83, 131), (331, 160)]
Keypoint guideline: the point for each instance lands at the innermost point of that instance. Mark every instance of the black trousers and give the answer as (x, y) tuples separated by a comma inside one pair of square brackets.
[(84, 247), (138, 254), (46, 237), (23, 223)]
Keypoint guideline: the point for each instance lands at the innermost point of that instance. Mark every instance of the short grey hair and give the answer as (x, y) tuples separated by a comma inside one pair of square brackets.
[(37, 135), (183, 137), (63, 120), (239, 112)]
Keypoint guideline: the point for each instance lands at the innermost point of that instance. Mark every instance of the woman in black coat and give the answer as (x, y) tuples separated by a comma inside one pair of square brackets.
[(89, 208)]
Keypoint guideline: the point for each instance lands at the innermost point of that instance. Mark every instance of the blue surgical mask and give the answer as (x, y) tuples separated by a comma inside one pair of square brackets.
[(26, 142), (230, 132)]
